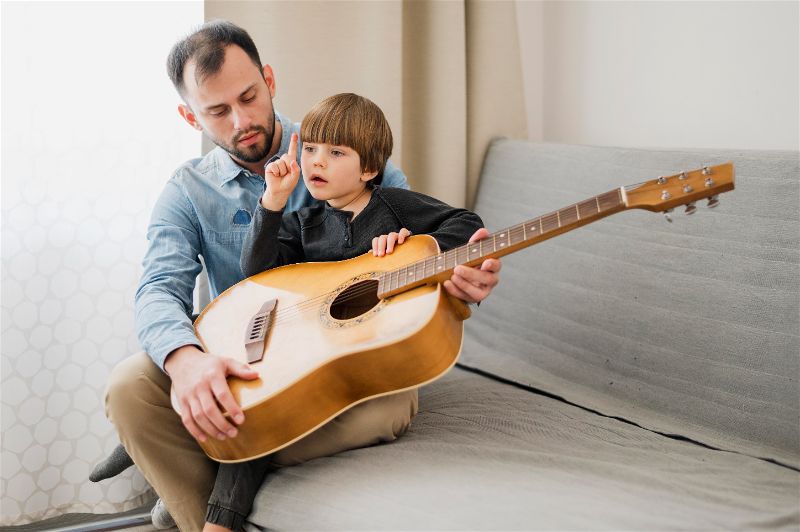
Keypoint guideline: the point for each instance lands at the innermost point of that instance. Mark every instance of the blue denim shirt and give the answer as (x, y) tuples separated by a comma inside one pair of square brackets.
[(204, 210)]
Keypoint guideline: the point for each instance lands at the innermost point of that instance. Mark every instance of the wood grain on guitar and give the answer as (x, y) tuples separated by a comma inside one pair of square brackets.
[(327, 336)]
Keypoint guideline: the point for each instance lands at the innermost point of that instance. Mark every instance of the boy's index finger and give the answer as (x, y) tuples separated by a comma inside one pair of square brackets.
[(293, 143)]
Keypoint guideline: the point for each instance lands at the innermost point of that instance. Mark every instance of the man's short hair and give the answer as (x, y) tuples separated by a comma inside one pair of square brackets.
[(206, 46), (356, 122)]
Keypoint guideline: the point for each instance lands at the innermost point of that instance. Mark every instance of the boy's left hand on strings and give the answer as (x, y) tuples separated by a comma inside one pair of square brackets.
[(381, 245), (473, 285)]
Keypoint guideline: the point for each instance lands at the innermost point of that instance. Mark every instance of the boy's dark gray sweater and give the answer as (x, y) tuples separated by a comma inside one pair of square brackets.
[(322, 233)]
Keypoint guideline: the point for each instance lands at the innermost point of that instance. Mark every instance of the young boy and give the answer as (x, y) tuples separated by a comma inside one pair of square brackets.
[(346, 143)]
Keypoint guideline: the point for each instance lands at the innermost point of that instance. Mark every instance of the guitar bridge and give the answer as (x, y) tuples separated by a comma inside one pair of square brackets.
[(258, 330)]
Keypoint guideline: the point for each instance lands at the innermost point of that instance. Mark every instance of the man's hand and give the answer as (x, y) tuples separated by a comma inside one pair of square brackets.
[(474, 284), (281, 177), (200, 387)]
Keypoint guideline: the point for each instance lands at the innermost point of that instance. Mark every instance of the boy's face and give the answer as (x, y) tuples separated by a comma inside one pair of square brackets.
[(234, 106), (332, 172)]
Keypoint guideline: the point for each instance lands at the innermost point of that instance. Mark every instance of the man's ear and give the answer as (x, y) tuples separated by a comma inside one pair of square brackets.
[(186, 112), (269, 77)]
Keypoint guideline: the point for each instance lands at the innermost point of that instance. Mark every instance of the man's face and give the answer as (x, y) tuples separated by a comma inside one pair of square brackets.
[(234, 106)]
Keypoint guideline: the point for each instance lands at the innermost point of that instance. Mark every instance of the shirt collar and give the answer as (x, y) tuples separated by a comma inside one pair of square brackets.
[(228, 169)]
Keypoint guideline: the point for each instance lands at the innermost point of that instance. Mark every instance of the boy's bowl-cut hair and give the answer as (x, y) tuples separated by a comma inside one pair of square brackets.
[(356, 122)]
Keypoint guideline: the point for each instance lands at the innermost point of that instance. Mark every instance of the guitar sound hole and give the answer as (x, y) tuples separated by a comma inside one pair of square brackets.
[(355, 300)]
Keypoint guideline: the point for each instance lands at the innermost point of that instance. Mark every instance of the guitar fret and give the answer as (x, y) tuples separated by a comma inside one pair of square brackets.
[(516, 237), (503, 235), (609, 200), (587, 208), (474, 251), (568, 216), (549, 223)]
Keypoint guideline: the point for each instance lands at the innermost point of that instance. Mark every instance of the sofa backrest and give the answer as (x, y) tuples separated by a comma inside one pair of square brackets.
[(689, 328)]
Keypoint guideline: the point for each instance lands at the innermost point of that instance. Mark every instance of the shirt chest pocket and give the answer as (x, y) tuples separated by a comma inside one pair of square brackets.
[(231, 228)]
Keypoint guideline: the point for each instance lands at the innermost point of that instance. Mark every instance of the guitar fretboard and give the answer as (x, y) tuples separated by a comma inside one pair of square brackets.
[(439, 267)]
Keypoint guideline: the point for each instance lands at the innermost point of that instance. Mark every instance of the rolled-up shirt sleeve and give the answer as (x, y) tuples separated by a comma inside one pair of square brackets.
[(394, 177), (163, 304)]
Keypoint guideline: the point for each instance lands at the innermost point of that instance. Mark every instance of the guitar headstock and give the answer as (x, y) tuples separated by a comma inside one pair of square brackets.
[(667, 192)]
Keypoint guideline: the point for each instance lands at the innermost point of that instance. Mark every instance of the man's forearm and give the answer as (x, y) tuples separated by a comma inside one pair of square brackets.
[(178, 357)]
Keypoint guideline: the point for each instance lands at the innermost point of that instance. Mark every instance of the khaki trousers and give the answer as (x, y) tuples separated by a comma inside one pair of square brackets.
[(138, 404)]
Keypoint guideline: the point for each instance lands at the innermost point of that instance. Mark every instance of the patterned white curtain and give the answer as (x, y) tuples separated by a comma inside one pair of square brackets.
[(90, 135)]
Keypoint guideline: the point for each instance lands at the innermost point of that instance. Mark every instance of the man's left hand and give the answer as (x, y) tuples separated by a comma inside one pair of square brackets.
[(474, 284)]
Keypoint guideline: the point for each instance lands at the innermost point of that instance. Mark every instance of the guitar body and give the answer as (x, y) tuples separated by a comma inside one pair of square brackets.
[(331, 344)]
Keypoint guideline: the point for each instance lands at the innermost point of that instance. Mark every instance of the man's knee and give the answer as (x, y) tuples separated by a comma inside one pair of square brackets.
[(136, 377), (387, 417)]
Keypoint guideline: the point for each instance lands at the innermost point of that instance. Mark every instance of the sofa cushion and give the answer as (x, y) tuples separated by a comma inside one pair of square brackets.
[(689, 328), (483, 455)]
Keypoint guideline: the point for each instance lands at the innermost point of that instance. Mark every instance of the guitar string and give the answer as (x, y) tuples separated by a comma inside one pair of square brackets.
[(293, 311), (297, 309)]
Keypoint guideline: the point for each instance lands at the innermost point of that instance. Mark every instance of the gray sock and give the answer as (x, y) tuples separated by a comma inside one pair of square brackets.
[(159, 516), (117, 462)]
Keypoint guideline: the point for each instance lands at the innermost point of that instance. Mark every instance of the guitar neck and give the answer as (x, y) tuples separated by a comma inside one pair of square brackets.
[(438, 268)]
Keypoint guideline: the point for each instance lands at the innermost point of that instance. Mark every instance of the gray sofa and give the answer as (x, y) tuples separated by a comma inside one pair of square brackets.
[(630, 375)]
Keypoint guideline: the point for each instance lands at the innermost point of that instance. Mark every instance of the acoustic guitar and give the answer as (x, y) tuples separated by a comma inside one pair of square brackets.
[(327, 336)]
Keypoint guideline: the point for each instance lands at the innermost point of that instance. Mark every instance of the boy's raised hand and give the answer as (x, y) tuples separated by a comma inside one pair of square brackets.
[(381, 245), (281, 177)]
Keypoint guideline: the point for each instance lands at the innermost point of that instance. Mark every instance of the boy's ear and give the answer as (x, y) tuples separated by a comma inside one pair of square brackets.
[(186, 112), (368, 176)]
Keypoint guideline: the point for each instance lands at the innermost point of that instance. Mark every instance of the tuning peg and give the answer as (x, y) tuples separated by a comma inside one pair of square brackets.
[(706, 170), (690, 208), (667, 216), (713, 201)]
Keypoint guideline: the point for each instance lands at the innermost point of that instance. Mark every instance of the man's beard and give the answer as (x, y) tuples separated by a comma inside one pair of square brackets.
[(256, 152)]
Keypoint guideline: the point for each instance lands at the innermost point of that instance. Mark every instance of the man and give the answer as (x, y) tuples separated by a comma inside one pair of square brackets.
[(205, 209)]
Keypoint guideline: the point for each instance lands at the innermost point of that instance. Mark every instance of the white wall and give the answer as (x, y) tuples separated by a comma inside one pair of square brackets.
[(90, 136), (662, 74)]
